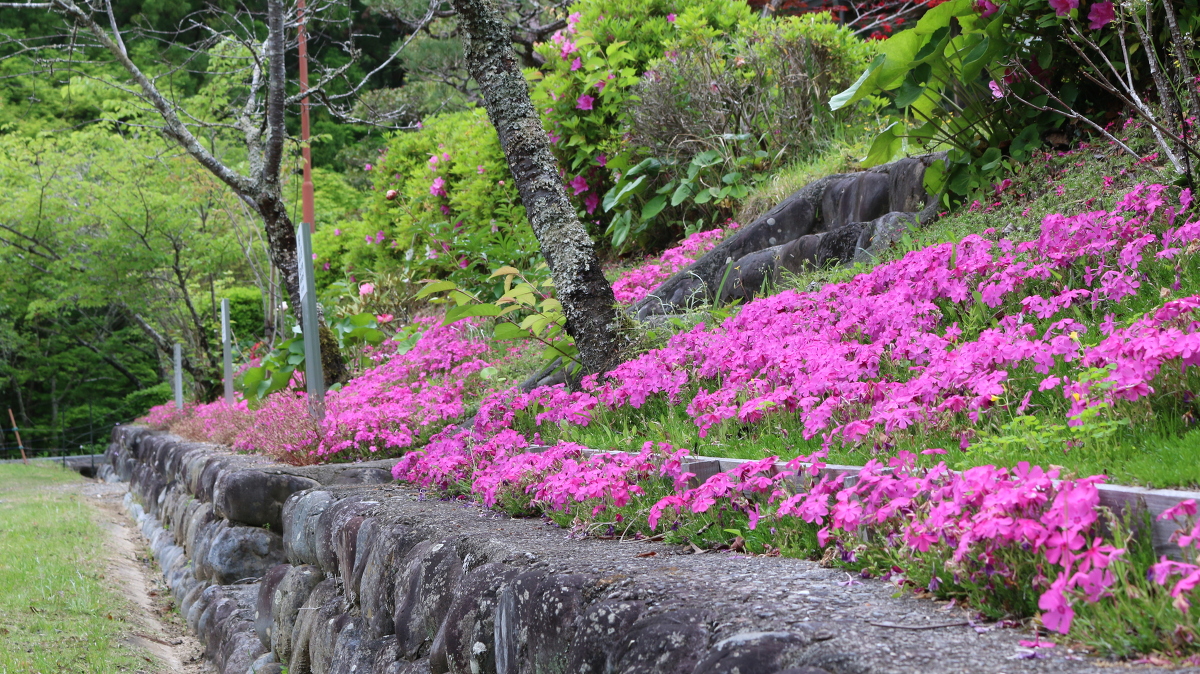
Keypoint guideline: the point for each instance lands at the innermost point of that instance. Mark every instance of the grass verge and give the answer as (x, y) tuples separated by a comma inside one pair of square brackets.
[(57, 612)]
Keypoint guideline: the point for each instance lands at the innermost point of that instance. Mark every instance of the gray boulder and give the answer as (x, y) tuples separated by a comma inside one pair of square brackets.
[(243, 553), (256, 498)]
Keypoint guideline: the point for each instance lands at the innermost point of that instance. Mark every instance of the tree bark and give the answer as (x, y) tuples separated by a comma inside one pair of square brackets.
[(586, 296)]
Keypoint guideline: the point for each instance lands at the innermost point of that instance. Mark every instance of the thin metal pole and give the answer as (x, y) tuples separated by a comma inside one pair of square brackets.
[(178, 377), (18, 433), (310, 326), (227, 351), (306, 186)]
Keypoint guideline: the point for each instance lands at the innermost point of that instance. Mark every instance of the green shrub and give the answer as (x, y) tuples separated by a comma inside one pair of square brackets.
[(455, 210), (584, 89), (717, 113)]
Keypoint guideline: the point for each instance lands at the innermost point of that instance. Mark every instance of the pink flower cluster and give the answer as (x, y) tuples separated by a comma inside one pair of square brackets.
[(389, 405), (506, 467), (878, 353), (636, 283), (387, 408), (970, 521), (1166, 571)]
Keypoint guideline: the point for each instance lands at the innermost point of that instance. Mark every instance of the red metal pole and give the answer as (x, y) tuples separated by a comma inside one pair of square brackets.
[(306, 189)]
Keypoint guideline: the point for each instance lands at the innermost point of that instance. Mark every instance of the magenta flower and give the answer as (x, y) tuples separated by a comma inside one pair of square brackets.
[(997, 92), (326, 267), (591, 202), (337, 231), (438, 187), (433, 162), (670, 18), (985, 8), (367, 167), (552, 137), (579, 184), (379, 236), (1063, 7), (480, 169), (366, 289), (1100, 15), (584, 102), (602, 160), (576, 64)]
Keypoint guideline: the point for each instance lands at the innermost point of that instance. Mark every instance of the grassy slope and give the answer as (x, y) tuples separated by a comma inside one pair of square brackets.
[(56, 612), (1158, 446)]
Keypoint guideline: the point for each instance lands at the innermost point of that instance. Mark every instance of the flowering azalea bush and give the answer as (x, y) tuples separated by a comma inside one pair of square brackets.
[(445, 205)]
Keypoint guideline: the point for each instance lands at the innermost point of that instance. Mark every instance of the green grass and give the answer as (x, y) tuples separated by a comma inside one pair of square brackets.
[(57, 613)]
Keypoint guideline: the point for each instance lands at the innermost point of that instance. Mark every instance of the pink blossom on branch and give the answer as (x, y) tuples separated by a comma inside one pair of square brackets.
[(1063, 7), (578, 184), (1100, 15)]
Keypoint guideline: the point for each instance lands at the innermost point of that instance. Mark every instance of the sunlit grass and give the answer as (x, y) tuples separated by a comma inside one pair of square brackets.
[(57, 611)]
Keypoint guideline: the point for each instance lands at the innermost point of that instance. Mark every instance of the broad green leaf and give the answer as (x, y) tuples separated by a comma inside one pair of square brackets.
[(935, 177), (681, 194), (459, 313), (864, 85), (628, 190), (435, 287), (507, 331), (914, 85), (654, 207), (886, 145), (990, 159)]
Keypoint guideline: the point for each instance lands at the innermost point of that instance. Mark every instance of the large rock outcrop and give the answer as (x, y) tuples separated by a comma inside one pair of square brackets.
[(838, 219)]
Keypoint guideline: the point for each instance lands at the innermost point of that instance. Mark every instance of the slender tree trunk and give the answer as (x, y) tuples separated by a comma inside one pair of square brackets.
[(586, 296)]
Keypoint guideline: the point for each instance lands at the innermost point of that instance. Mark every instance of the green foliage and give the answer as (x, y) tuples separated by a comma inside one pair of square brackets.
[(951, 82), (275, 371), (525, 310), (706, 191), (454, 211), (585, 87), (676, 121)]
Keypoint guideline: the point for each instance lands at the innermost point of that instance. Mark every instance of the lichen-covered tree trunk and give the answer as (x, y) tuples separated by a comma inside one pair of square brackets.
[(586, 296)]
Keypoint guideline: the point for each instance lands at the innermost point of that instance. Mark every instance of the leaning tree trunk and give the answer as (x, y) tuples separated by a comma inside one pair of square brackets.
[(586, 296)]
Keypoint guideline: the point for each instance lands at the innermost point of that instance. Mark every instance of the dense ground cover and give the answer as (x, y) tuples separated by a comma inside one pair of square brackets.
[(57, 613)]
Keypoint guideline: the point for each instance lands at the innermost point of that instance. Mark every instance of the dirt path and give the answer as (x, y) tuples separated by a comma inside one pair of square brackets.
[(154, 625)]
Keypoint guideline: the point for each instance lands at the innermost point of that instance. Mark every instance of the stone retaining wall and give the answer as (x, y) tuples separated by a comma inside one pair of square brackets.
[(336, 570)]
